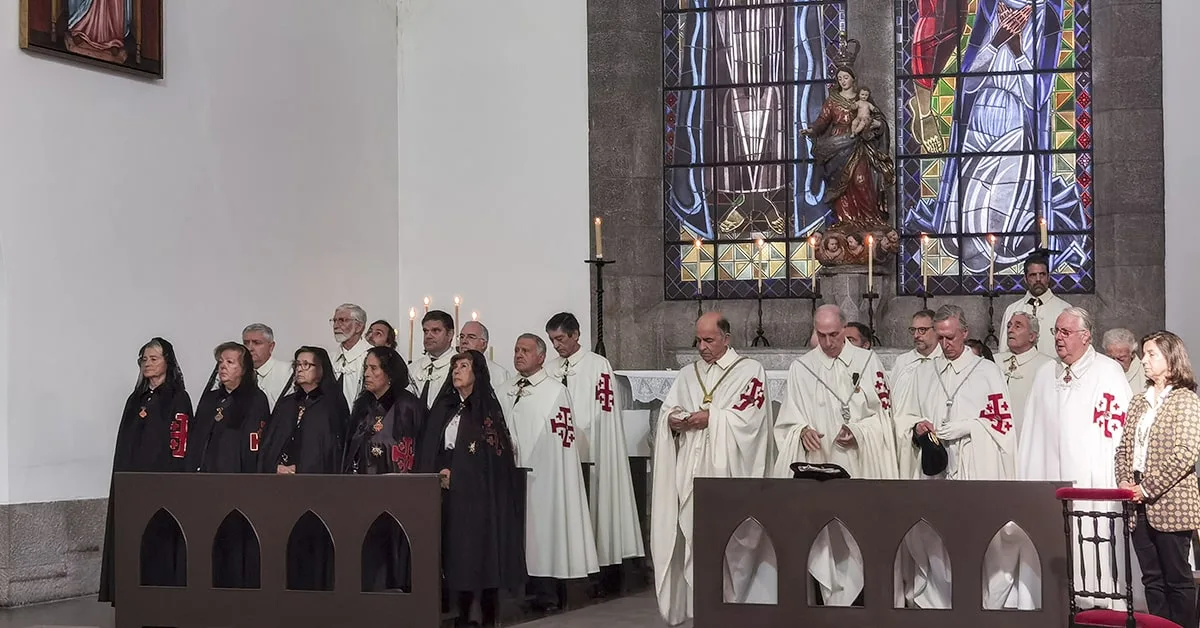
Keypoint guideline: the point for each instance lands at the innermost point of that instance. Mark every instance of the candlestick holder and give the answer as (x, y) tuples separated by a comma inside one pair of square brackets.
[(699, 313), (991, 340), (870, 297), (760, 338), (599, 263)]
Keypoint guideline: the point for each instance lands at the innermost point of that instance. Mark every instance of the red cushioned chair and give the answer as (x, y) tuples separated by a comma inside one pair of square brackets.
[(1103, 617)]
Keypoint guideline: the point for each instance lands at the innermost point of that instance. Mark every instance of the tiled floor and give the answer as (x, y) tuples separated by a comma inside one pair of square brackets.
[(632, 612)]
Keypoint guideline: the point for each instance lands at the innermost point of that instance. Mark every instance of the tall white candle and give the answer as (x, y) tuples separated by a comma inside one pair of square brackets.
[(870, 263), (992, 263), (924, 264)]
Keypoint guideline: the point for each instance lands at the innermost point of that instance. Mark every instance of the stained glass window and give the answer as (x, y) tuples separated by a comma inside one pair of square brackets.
[(994, 135), (741, 79)]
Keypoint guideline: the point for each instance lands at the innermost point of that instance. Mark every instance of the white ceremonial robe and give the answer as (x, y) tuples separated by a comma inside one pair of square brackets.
[(1019, 370), (559, 542), (498, 374), (736, 443), (273, 377), (1071, 434), (348, 367), (857, 380), (592, 386), (433, 371), (905, 360), (970, 395), (1136, 376), (1046, 314)]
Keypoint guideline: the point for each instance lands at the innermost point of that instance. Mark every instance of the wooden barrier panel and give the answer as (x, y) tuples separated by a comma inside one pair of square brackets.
[(878, 514), (272, 504)]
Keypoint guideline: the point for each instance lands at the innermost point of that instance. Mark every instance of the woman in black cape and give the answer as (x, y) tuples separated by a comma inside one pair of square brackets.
[(385, 426), (304, 436), (483, 535), (225, 439), (152, 437)]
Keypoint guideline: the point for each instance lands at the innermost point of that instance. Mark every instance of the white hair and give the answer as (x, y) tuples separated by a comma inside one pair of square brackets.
[(1119, 337), (541, 344), (261, 328), (947, 312), (483, 330), (357, 313), (1031, 320), (1085, 318)]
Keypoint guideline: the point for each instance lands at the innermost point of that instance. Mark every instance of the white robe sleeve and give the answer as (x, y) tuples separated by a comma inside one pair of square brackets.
[(875, 432), (793, 418)]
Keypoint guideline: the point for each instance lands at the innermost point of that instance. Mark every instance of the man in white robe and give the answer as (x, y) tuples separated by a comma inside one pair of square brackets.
[(1021, 362), (559, 542), (925, 345), (274, 374), (474, 337), (590, 381), (963, 401), (349, 360), (430, 373), (1039, 301), (716, 424), (1074, 418), (1121, 345), (837, 410)]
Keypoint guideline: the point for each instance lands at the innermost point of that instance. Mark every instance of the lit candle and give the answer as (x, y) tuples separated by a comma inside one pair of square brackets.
[(812, 255), (992, 263), (1045, 236), (457, 302), (924, 266), (599, 242), (412, 320), (699, 275), (474, 316), (870, 263), (758, 268), (426, 305)]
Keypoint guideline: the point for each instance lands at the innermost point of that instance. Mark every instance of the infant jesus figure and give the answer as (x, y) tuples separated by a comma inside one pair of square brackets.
[(862, 121)]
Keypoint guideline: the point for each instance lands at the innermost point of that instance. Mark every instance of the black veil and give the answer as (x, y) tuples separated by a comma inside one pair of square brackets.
[(174, 373)]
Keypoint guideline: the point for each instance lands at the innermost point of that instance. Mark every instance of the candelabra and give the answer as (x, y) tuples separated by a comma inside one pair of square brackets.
[(599, 263)]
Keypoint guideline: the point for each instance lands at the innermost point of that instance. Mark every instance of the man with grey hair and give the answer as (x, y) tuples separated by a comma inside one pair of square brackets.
[(1074, 418), (349, 321), (559, 541), (274, 376), (837, 410), (474, 337), (1021, 362), (957, 403), (1121, 345)]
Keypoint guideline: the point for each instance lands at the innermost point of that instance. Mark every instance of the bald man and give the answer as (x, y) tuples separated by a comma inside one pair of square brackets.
[(715, 423), (837, 410), (474, 337)]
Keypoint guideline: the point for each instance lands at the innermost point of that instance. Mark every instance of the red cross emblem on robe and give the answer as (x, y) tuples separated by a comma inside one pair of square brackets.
[(1108, 415), (752, 396), (179, 434), (604, 392), (997, 413), (403, 455), (881, 389), (562, 425)]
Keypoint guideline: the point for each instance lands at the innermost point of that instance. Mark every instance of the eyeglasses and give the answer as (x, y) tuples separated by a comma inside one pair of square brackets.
[(469, 336), (302, 366), (341, 320), (1066, 333), (919, 330)]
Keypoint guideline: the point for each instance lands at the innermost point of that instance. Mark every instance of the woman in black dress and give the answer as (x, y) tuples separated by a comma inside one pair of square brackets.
[(152, 437), (225, 439), (467, 442), (385, 425), (304, 435)]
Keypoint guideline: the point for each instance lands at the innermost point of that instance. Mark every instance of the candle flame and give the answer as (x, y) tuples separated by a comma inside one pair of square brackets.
[(597, 220), (426, 300), (412, 313), (457, 301), (697, 243), (474, 316), (991, 238), (870, 239), (759, 243)]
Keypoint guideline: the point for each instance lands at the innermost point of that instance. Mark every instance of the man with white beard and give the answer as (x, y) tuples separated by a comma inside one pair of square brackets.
[(958, 400), (1074, 418), (349, 321), (1021, 362), (837, 410), (1121, 345), (716, 418)]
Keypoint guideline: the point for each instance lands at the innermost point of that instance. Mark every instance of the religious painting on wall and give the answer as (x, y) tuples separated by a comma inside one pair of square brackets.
[(994, 138), (739, 83), (124, 35)]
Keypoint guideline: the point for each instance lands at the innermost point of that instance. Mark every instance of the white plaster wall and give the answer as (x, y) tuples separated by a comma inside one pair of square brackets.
[(493, 144), (256, 182), (1181, 89)]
